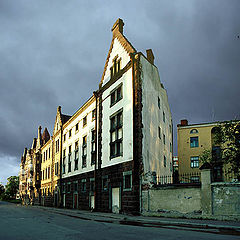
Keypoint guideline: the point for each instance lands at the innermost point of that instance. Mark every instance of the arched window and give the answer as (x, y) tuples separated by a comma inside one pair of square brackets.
[(194, 131)]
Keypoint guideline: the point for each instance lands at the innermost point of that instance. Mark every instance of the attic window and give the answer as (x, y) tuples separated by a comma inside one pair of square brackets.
[(115, 67), (193, 131)]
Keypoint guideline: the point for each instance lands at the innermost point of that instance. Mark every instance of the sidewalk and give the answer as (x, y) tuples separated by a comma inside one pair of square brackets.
[(220, 227)]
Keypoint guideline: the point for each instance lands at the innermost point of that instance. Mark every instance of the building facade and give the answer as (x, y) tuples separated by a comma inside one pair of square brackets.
[(119, 140), (192, 140)]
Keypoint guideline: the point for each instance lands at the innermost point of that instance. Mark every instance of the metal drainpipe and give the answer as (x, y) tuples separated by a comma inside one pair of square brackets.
[(96, 148)]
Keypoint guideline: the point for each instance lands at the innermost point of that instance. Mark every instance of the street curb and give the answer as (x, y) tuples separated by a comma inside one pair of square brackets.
[(130, 220)]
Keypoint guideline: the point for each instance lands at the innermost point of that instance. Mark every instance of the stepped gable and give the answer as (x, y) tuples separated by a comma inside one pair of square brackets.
[(117, 30)]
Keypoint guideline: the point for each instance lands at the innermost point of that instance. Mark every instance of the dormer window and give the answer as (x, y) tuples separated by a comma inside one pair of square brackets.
[(116, 66)]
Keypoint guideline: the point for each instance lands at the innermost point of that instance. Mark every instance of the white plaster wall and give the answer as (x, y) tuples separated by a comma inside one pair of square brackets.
[(78, 136), (153, 147), (121, 52), (126, 104)]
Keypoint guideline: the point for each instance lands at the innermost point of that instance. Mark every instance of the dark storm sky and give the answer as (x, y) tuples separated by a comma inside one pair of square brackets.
[(53, 53)]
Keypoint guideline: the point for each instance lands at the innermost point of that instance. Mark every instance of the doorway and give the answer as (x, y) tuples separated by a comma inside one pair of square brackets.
[(115, 200)]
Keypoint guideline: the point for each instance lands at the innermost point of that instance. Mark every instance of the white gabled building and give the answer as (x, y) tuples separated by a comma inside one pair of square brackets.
[(119, 140)]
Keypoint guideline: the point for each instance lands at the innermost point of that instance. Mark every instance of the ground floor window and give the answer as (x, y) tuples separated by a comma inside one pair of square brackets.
[(127, 181), (194, 162)]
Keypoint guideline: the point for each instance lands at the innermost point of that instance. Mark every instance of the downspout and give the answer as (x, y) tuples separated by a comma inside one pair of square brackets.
[(132, 56), (95, 93)]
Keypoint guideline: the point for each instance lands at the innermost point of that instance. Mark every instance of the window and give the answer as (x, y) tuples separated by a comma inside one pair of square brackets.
[(57, 146), (93, 114), (69, 158), (69, 187), (116, 135), (193, 131), (164, 139), (84, 121), (193, 142), (70, 133), (75, 186), (93, 148), (76, 156), (194, 162), (116, 95), (76, 127), (64, 158), (64, 137), (56, 169), (170, 128), (84, 152), (159, 103), (159, 132), (194, 179), (105, 183), (127, 181), (115, 67), (170, 147), (164, 117), (49, 152), (48, 172), (83, 187), (164, 161)]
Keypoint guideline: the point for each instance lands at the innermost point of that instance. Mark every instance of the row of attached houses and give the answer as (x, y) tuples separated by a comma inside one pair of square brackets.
[(121, 137)]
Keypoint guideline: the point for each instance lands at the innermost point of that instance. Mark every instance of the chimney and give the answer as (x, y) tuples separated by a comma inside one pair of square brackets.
[(150, 56), (118, 26), (39, 132), (184, 122)]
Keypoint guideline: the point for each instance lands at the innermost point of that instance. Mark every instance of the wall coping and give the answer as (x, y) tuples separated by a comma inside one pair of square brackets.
[(226, 184)]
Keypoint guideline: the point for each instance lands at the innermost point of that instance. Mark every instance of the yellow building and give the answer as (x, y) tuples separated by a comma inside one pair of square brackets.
[(46, 172), (192, 140)]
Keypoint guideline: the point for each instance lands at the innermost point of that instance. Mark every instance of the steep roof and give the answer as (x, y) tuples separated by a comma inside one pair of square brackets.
[(65, 118), (45, 136)]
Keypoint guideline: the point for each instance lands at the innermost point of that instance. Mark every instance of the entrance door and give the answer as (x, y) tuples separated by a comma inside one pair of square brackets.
[(115, 200), (75, 201), (92, 205)]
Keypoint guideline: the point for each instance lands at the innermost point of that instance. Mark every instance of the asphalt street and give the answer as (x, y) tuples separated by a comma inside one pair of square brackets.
[(19, 222)]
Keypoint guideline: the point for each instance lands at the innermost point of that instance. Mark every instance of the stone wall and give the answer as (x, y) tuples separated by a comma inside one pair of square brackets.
[(226, 199), (177, 199)]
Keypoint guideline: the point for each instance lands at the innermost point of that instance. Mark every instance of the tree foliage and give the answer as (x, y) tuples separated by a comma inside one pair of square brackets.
[(2, 189), (228, 137), (12, 186), (206, 156)]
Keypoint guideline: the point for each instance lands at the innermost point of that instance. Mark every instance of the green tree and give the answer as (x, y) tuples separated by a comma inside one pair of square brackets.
[(12, 186), (228, 137), (2, 190), (206, 156)]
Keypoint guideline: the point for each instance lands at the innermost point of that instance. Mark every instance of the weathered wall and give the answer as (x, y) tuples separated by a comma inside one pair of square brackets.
[(183, 200), (154, 148), (226, 198)]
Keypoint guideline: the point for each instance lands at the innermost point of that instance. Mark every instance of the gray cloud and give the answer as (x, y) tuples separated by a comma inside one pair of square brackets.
[(53, 53)]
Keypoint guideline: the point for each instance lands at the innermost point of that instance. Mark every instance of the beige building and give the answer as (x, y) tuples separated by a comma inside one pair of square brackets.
[(192, 140)]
